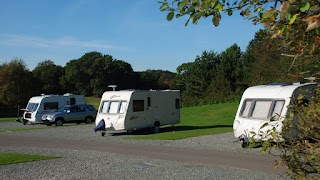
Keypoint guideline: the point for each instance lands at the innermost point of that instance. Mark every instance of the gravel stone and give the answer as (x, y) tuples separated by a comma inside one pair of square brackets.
[(76, 164)]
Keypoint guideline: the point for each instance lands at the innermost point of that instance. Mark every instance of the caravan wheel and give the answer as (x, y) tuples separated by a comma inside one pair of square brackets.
[(156, 127)]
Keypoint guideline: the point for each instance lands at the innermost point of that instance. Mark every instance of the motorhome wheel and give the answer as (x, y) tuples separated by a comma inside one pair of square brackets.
[(59, 122)]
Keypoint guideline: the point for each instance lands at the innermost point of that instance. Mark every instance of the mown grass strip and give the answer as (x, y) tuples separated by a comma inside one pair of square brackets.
[(24, 129), (13, 158), (198, 121), (8, 119), (93, 100)]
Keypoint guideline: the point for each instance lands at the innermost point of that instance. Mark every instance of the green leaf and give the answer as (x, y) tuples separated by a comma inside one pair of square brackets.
[(182, 4), (186, 24), (269, 15), (216, 21), (218, 7), (293, 18), (170, 16), (305, 6)]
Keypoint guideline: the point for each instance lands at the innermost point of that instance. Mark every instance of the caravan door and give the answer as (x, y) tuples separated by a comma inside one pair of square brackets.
[(149, 111)]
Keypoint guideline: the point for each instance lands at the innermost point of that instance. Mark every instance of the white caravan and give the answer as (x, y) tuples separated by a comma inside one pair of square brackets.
[(266, 104), (137, 109), (44, 104)]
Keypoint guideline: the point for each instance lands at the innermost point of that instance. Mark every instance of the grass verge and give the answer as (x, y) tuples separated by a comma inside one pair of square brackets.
[(8, 119), (12, 158), (93, 100), (198, 121)]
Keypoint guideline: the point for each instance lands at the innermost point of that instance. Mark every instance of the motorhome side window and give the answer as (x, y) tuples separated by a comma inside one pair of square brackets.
[(138, 105), (261, 108), (50, 105)]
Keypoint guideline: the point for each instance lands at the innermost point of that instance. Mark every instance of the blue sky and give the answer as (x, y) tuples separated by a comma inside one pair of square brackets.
[(134, 31)]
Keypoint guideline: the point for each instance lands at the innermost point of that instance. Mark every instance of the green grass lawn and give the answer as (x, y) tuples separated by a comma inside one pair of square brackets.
[(11, 158), (8, 119), (195, 121), (199, 121), (93, 100)]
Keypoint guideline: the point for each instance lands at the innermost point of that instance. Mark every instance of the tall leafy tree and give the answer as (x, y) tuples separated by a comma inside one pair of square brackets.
[(48, 74), (16, 84), (155, 79), (78, 74), (296, 23)]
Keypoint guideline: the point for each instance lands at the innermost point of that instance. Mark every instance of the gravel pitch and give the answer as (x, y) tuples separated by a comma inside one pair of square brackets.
[(76, 164)]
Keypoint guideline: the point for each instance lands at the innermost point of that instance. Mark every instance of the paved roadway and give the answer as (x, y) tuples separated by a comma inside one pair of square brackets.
[(259, 163)]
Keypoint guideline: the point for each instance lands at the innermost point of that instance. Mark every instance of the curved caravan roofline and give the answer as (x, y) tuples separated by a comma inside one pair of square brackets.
[(274, 91)]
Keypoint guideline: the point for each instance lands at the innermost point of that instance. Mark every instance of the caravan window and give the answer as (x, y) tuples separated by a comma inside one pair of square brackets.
[(123, 106), (50, 105), (104, 107), (113, 107), (138, 105), (277, 108), (261, 108), (32, 107), (246, 108)]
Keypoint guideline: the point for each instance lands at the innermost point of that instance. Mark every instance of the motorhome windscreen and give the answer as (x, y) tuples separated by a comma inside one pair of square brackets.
[(32, 107), (261, 108)]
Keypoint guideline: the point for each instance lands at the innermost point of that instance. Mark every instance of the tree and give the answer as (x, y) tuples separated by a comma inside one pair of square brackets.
[(48, 74), (16, 84), (296, 24), (295, 21), (155, 79)]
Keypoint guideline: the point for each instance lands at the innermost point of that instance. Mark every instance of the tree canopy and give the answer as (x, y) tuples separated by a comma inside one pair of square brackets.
[(295, 22), (294, 27)]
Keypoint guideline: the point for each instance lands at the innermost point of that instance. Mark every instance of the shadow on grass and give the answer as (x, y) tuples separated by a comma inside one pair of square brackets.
[(168, 129)]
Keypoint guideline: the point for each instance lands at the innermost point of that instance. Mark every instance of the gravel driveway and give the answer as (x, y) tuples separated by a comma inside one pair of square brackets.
[(84, 164)]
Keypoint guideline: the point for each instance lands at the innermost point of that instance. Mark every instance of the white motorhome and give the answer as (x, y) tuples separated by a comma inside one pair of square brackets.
[(137, 109), (264, 107), (44, 104)]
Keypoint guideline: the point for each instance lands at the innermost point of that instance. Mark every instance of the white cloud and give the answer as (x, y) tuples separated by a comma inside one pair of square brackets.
[(21, 40)]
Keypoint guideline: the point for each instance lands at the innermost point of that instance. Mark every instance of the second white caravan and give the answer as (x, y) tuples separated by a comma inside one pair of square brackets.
[(44, 104), (137, 109), (267, 104)]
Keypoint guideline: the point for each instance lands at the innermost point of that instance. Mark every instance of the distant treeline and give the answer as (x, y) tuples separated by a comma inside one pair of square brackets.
[(211, 78)]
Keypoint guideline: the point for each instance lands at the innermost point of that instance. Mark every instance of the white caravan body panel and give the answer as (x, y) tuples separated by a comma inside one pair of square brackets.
[(261, 103), (137, 109), (40, 105)]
